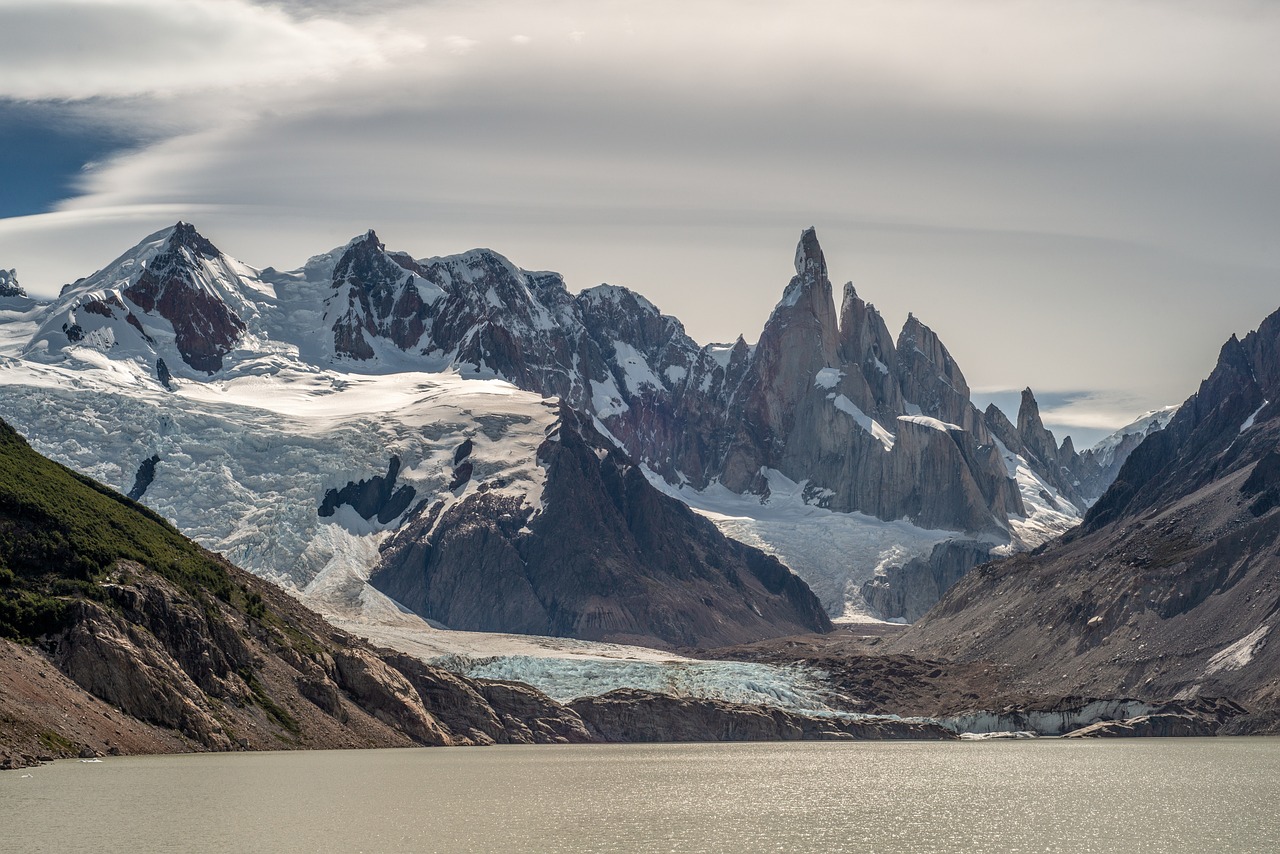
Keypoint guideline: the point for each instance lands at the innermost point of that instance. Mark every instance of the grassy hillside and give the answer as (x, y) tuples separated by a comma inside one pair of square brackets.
[(60, 531)]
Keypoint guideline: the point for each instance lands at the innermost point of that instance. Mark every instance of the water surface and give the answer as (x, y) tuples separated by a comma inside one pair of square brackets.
[(1174, 795)]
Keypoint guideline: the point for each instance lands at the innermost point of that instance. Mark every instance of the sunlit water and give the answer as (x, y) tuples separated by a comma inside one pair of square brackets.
[(1193, 795)]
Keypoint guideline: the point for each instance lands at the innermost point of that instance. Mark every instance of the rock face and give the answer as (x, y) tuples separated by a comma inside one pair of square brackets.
[(606, 557), (1169, 587), (639, 716), (907, 592), (376, 497), (145, 477)]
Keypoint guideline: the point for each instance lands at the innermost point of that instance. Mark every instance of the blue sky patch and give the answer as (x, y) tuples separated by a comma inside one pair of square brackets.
[(42, 153)]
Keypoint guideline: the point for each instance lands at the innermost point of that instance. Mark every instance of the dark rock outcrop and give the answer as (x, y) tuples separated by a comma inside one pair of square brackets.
[(163, 375), (145, 477), (607, 558), (375, 497)]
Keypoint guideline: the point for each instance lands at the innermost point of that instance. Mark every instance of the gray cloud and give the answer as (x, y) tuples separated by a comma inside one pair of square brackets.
[(1071, 194)]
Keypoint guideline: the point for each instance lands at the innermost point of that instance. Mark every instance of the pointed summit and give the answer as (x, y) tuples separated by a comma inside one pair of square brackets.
[(183, 235), (1037, 439), (810, 261)]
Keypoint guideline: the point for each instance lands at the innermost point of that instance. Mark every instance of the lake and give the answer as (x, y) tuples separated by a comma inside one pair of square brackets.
[(1193, 795)]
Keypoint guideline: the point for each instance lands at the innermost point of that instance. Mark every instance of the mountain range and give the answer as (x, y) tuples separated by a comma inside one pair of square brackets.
[(471, 442), (856, 459)]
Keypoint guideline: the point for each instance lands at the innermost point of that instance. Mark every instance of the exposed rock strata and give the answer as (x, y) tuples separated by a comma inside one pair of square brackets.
[(641, 716)]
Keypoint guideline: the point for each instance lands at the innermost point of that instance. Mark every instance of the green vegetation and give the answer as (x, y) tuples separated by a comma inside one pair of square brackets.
[(268, 705), (60, 531), (55, 743)]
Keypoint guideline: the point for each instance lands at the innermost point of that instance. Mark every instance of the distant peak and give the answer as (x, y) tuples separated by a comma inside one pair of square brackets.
[(1029, 407), (184, 235), (809, 257), (367, 240)]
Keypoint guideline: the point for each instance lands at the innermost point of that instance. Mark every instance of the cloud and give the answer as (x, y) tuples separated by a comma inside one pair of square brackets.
[(78, 49), (1051, 186), (460, 45)]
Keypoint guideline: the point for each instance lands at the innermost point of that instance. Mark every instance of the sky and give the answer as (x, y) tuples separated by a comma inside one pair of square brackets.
[(1082, 197)]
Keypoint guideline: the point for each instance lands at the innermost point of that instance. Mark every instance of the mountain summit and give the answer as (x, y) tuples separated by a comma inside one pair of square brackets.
[(174, 294)]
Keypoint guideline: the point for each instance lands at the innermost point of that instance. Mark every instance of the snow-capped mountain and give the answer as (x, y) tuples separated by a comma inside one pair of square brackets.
[(172, 295), (1110, 453), (299, 420)]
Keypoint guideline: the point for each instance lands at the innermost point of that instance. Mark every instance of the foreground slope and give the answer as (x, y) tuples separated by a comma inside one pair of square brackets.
[(120, 635), (1172, 584)]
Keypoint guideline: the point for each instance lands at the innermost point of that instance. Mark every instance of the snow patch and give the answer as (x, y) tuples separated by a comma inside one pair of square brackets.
[(866, 422), (1248, 422), (1239, 654), (828, 378), (931, 423)]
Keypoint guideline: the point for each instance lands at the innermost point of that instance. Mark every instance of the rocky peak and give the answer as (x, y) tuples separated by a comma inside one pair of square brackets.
[(366, 263), (619, 318), (1226, 426), (1263, 348), (9, 286), (383, 298), (866, 345), (1035, 436), (807, 301), (931, 379), (179, 283), (799, 339), (810, 262), (185, 236)]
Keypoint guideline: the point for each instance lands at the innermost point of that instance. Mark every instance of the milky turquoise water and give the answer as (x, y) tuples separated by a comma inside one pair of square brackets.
[(1175, 795)]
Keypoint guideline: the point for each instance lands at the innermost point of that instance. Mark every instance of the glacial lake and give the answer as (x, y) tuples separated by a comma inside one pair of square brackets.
[(1192, 795)]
